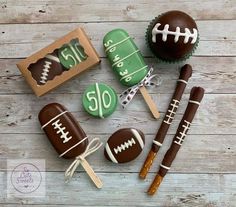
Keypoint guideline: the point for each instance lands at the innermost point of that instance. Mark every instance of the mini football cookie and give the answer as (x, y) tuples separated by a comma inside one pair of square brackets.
[(46, 68), (100, 100), (71, 54), (124, 145)]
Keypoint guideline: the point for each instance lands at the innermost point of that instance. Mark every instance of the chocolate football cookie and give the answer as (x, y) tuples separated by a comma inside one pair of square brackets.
[(62, 130), (46, 68), (124, 145), (172, 36)]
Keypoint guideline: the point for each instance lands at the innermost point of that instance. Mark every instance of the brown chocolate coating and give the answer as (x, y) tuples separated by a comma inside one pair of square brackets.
[(196, 95), (46, 68), (62, 130), (124, 145), (170, 50), (185, 74)]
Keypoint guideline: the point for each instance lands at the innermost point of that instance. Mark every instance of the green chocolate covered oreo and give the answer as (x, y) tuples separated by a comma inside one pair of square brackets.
[(71, 54), (99, 100), (126, 59)]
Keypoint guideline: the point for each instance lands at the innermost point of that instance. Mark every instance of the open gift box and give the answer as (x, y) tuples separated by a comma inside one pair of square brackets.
[(59, 62)]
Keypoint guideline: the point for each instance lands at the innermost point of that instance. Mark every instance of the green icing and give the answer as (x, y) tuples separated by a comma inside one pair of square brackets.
[(71, 54), (126, 59), (99, 100)]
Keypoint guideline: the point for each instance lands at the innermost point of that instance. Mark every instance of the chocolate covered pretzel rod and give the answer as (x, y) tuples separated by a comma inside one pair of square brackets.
[(196, 96), (185, 74)]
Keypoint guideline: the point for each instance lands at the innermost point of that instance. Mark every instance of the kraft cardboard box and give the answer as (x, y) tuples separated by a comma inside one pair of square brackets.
[(44, 86)]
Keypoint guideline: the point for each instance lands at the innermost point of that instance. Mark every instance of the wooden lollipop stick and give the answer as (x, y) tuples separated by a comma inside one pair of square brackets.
[(148, 99), (96, 180)]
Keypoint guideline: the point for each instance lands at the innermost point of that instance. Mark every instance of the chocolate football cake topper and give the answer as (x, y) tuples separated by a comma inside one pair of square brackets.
[(124, 145), (172, 36), (46, 69), (69, 139)]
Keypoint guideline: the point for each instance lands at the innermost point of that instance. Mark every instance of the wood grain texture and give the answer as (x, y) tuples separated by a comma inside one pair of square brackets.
[(191, 190), (31, 11), (202, 175), (19, 114), (196, 155), (216, 37), (208, 72)]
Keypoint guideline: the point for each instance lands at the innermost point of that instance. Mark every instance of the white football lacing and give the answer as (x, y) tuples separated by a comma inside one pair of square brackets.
[(177, 33), (125, 146), (174, 105), (45, 72), (183, 134), (61, 130)]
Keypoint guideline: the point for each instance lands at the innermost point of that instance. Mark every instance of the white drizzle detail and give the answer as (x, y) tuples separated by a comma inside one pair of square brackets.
[(183, 134), (183, 81), (111, 46), (177, 33), (45, 72), (52, 57), (174, 105), (165, 167), (111, 156), (130, 74), (157, 143), (61, 130), (120, 60), (194, 102), (125, 145)]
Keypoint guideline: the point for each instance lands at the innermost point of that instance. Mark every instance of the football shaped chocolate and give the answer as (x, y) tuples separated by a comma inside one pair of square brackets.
[(63, 131), (46, 68), (172, 36), (124, 145)]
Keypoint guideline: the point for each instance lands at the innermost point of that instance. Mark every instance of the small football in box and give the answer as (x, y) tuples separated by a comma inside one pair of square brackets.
[(59, 62)]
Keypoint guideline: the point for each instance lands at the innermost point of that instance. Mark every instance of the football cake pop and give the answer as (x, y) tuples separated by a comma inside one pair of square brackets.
[(172, 36)]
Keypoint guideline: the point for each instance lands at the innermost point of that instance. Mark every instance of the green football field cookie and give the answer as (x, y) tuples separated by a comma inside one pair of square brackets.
[(99, 100), (71, 54), (125, 58)]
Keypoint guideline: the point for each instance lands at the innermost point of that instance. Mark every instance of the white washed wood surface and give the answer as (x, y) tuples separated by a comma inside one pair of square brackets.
[(204, 172)]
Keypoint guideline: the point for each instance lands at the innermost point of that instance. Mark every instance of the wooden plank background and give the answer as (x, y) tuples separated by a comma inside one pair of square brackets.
[(204, 172)]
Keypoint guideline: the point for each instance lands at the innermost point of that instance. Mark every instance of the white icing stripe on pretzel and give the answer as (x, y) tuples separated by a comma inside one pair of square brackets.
[(177, 33), (62, 154), (183, 81), (157, 143), (194, 102), (165, 167), (51, 120), (111, 156), (117, 43)]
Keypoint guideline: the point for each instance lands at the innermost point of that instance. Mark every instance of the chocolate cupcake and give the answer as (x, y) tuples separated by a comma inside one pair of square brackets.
[(172, 36)]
